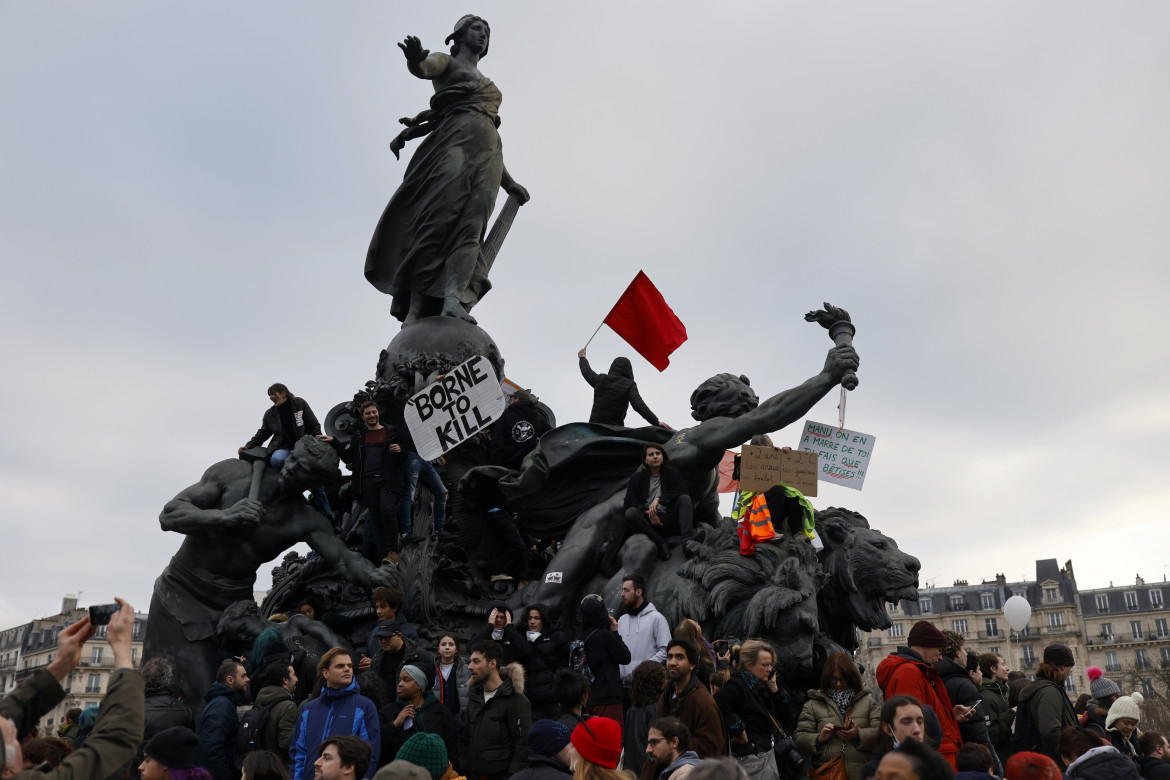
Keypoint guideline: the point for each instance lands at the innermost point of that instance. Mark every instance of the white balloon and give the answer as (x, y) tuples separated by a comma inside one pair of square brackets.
[(1017, 611)]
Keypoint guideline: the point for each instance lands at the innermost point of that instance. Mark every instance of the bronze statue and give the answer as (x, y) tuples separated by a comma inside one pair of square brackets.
[(227, 537), (427, 250)]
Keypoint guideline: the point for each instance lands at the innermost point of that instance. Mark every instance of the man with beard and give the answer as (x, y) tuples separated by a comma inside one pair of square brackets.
[(668, 753), (688, 700), (497, 719), (228, 536), (219, 722)]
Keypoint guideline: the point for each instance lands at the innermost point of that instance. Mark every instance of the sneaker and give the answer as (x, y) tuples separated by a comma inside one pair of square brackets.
[(501, 578)]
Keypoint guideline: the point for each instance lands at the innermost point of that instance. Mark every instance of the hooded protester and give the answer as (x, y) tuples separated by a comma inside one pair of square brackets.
[(614, 393), (605, 652)]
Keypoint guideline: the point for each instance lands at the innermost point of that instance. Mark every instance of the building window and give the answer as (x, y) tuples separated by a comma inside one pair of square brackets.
[(995, 650), (135, 631), (1102, 602), (1055, 619), (1070, 686), (992, 626), (96, 658), (1166, 656), (1160, 628), (1027, 630), (1131, 599), (1111, 664), (1052, 594), (1141, 659), (895, 630), (134, 655), (95, 684), (987, 600), (924, 605), (1135, 628), (959, 626), (101, 632), (1029, 655), (1107, 632), (1021, 593), (1156, 598), (1147, 687), (958, 603), (892, 607)]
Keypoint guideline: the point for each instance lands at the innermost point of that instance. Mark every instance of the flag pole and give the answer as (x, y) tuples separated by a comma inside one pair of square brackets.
[(587, 343)]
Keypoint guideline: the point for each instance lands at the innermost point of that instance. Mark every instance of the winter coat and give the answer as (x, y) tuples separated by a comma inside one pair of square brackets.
[(1151, 768), (1127, 747), (162, 711), (544, 768), (697, 710), (550, 651), (513, 643), (614, 393), (304, 424), (961, 690), (821, 710), (755, 712), (646, 633), (1000, 717), (634, 735), (393, 463), (282, 718), (431, 718), (905, 673), (408, 632), (452, 692), (114, 739), (606, 652), (1102, 763), (516, 433), (218, 724), (1050, 711), (494, 737), (333, 713), (672, 485)]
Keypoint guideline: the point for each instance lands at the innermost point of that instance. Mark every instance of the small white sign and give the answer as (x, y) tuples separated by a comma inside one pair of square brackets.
[(464, 402), (842, 455), (554, 577)]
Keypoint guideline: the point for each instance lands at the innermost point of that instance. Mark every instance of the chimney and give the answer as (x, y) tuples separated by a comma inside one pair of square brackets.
[(68, 604), (1138, 580)]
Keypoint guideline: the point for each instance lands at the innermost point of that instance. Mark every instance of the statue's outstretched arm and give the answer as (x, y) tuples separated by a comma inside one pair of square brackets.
[(777, 412), (420, 62), (197, 508), (340, 558)]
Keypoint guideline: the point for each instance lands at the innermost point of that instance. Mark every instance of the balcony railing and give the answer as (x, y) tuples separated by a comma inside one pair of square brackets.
[(93, 689)]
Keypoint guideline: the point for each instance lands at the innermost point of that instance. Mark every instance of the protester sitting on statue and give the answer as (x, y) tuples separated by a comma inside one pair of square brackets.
[(285, 422), (518, 430), (118, 730), (614, 393), (376, 460), (657, 504)]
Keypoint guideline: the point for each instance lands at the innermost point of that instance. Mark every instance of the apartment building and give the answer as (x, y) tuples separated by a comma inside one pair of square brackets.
[(1127, 630)]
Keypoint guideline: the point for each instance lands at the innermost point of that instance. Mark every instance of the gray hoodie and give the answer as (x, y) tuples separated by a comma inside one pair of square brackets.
[(646, 634)]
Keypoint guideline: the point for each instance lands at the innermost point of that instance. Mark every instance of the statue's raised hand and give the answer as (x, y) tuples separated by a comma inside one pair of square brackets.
[(413, 49), (841, 361), (517, 191), (246, 511)]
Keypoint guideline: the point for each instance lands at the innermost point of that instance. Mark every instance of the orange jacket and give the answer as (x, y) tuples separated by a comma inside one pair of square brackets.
[(904, 673)]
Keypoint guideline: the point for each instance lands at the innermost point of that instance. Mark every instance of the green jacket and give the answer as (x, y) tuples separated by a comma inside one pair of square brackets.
[(1051, 711), (999, 716), (114, 739), (819, 710)]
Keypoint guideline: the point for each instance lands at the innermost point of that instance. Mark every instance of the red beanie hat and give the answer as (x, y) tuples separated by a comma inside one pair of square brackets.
[(599, 740), (1031, 766)]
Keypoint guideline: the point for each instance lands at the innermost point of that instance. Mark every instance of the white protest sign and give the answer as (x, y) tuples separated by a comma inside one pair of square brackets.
[(455, 408), (843, 455)]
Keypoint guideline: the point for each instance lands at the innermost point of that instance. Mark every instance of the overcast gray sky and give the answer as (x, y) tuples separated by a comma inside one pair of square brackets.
[(188, 192)]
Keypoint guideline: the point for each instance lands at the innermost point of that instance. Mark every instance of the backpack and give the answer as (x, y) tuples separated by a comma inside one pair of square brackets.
[(251, 731), (578, 661), (1025, 734)]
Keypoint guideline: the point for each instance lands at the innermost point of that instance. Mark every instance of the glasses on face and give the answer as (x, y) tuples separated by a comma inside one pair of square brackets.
[(654, 741)]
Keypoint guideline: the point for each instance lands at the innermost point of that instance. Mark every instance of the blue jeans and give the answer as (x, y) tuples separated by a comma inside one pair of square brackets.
[(419, 470), (277, 459)]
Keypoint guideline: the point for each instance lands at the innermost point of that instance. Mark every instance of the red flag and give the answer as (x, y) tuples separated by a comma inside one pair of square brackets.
[(643, 319)]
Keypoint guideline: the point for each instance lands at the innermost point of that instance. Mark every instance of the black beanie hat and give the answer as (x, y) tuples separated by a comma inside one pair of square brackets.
[(174, 748), (1059, 655)]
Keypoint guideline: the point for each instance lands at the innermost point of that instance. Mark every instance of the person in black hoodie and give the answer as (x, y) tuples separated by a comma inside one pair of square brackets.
[(605, 652), (614, 393), (218, 723), (518, 430), (378, 464)]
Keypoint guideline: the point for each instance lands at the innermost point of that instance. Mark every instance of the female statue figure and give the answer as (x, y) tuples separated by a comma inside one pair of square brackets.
[(426, 249)]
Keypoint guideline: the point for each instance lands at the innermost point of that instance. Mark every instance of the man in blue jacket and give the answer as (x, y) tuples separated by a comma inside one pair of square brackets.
[(339, 710), (219, 723)]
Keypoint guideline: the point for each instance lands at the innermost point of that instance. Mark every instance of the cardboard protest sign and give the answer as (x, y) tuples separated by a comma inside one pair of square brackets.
[(843, 454), (455, 408), (761, 468)]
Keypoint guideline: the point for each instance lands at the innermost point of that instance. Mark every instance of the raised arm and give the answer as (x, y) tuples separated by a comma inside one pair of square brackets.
[(197, 508), (587, 372), (420, 62), (778, 411)]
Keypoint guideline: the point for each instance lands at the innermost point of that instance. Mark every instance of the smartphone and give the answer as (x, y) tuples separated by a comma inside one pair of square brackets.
[(100, 614), (720, 646)]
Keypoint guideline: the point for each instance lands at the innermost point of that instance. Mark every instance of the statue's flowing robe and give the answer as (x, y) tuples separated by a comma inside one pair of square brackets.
[(437, 218)]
